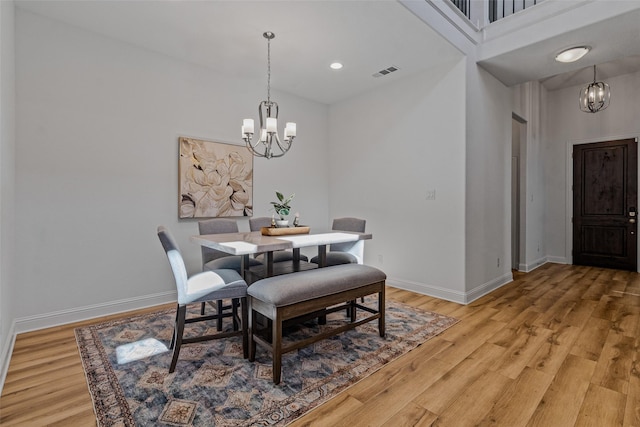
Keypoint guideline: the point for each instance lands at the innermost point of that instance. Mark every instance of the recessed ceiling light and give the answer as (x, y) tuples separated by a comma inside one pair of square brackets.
[(336, 65), (572, 54)]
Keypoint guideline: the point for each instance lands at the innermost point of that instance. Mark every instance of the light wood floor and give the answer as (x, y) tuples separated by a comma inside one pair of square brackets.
[(557, 347)]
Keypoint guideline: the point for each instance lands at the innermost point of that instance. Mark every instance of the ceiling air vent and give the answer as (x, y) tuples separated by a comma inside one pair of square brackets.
[(386, 71)]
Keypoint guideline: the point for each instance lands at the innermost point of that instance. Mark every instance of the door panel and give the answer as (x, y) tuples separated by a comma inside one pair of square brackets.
[(605, 204)]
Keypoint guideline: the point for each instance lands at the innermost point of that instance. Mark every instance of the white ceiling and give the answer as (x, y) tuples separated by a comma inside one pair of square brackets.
[(583, 76), (610, 27), (367, 36), (226, 36)]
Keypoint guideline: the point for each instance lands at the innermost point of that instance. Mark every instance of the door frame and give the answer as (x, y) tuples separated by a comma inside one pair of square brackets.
[(523, 128), (569, 191)]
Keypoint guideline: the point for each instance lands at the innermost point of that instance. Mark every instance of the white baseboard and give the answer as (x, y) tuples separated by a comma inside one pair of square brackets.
[(449, 295), (424, 289), (558, 260), (529, 267), (62, 317), (5, 353), (490, 286)]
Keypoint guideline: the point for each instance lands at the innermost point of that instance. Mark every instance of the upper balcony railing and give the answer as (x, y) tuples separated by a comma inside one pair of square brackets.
[(501, 8), (491, 10)]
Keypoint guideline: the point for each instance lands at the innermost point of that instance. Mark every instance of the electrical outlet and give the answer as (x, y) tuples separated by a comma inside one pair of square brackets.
[(431, 194), (380, 258)]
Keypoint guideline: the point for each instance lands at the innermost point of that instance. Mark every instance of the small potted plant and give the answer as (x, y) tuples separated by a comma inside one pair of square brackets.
[(282, 208)]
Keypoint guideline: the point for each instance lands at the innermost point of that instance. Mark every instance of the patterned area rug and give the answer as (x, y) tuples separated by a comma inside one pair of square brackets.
[(126, 363)]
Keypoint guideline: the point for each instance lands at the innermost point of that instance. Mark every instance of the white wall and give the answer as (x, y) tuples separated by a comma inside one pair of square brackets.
[(7, 172), (488, 183), (567, 126), (528, 103), (96, 166), (388, 148), (486, 212)]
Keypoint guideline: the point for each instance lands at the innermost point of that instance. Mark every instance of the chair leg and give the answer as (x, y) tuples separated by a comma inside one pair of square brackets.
[(220, 312), (252, 324), (177, 334), (202, 308), (381, 310), (245, 327), (276, 346), (175, 323), (234, 311)]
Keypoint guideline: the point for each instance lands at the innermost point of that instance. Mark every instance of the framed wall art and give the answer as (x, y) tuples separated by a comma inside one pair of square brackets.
[(216, 179)]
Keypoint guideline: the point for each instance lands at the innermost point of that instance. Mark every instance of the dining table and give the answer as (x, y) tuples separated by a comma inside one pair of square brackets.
[(252, 243)]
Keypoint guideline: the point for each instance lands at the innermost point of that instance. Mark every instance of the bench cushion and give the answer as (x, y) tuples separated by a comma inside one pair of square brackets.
[(337, 258), (307, 285)]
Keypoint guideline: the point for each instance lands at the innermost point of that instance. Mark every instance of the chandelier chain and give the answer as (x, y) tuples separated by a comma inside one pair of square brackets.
[(269, 70)]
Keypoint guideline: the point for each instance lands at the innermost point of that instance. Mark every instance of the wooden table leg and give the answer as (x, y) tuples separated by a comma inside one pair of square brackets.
[(269, 258), (296, 259), (244, 267), (322, 262), (322, 256)]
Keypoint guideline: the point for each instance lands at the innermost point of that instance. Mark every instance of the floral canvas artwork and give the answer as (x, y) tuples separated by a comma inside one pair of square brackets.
[(216, 179)]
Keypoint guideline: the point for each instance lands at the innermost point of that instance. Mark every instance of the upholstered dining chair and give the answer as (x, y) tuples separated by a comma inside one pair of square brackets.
[(345, 253), (213, 259), (210, 285), (256, 224)]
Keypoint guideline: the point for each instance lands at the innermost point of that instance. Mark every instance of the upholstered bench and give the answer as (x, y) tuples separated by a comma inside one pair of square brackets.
[(312, 293)]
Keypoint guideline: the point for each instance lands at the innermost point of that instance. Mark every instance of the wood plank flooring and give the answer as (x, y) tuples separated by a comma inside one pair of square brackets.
[(557, 347)]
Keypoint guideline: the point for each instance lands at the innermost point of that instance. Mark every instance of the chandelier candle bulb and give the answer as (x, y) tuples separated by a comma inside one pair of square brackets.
[(290, 129), (272, 124), (247, 126)]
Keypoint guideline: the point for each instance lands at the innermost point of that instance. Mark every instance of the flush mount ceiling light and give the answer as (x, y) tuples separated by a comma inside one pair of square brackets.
[(595, 97), (572, 54), (335, 65), (268, 113)]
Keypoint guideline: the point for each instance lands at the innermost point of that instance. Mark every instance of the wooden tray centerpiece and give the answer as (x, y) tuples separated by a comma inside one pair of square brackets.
[(283, 231)]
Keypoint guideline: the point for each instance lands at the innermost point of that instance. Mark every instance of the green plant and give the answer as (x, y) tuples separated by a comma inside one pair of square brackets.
[(282, 207)]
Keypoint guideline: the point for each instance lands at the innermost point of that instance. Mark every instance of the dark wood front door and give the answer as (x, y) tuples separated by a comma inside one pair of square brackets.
[(605, 207)]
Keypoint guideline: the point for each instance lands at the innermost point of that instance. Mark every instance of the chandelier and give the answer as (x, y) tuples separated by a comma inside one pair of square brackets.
[(595, 97), (268, 143)]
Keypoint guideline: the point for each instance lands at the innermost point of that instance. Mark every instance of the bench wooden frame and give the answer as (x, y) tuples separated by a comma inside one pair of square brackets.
[(316, 307)]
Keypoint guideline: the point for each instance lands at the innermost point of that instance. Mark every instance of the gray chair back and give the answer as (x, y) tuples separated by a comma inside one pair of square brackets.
[(256, 224), (215, 226), (175, 260)]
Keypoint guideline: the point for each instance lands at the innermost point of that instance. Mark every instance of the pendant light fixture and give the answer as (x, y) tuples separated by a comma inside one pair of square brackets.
[(595, 96), (268, 143)]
